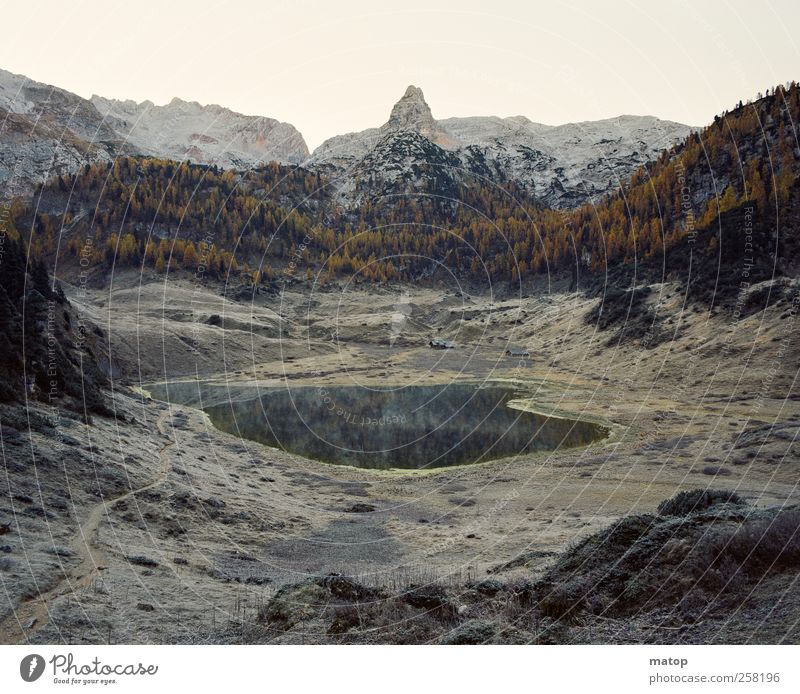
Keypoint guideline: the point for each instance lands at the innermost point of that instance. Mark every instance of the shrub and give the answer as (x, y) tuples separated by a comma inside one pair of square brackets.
[(684, 503), (471, 633), (141, 560), (432, 598), (295, 603), (768, 543), (715, 470)]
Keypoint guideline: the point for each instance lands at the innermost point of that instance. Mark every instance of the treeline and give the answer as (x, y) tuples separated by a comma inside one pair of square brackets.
[(161, 214), (271, 222)]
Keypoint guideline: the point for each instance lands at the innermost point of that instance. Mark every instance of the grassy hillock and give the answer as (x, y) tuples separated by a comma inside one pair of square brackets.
[(705, 556)]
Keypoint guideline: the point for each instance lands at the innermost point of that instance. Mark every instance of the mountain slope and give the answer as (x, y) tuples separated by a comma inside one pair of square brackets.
[(46, 131), (205, 134), (562, 166)]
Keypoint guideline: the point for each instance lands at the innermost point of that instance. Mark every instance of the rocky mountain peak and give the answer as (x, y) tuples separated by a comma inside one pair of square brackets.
[(412, 112), (563, 166)]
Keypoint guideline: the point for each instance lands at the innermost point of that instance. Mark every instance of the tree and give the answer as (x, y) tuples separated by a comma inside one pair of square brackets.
[(40, 279), (9, 329), (190, 258), (728, 201), (757, 192)]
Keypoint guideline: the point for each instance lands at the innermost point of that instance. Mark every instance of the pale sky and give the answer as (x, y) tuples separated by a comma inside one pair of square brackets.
[(334, 67)]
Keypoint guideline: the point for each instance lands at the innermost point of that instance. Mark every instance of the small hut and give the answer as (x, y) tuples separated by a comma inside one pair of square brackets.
[(441, 344)]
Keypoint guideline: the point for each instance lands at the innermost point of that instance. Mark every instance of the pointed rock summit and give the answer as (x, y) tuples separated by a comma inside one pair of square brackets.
[(412, 113)]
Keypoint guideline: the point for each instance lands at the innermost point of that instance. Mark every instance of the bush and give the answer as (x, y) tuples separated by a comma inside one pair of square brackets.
[(684, 503), (565, 600), (716, 471), (346, 588), (141, 560), (471, 633), (432, 598), (768, 543), (295, 603), (311, 598)]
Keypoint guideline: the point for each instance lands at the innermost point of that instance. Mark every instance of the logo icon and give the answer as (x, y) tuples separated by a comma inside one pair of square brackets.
[(31, 667)]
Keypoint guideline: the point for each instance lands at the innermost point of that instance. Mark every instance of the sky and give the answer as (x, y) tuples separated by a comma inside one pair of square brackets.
[(335, 67)]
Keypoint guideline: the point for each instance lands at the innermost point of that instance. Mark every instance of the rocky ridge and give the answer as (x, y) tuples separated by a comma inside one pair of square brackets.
[(46, 131), (563, 166)]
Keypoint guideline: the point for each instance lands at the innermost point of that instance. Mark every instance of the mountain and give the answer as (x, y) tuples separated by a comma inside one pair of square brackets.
[(681, 215), (46, 131), (205, 134), (562, 166)]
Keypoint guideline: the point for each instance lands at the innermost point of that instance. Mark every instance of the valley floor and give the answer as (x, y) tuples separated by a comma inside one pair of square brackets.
[(154, 527)]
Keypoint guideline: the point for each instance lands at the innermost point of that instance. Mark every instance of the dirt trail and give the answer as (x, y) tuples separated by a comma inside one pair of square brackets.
[(34, 613)]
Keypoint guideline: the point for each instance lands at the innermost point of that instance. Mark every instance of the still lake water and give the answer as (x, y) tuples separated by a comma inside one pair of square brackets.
[(410, 427)]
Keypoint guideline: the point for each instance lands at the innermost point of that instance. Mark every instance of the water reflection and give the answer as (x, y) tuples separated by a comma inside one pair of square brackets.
[(410, 427)]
